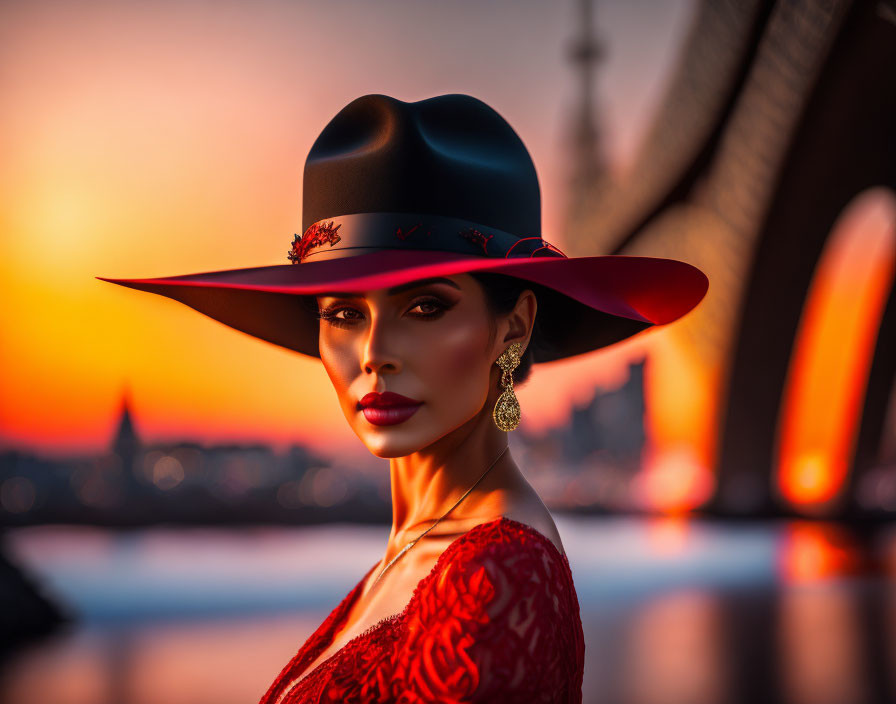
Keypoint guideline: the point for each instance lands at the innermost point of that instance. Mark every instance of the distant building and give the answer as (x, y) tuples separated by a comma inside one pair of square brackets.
[(126, 444), (126, 440), (611, 425)]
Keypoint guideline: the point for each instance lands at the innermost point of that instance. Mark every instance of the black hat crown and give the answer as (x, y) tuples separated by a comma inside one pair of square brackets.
[(444, 173)]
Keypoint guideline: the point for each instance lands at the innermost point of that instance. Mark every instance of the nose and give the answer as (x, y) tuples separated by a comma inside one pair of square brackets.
[(377, 355)]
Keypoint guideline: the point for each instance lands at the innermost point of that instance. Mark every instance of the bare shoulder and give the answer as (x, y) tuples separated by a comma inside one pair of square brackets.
[(531, 511)]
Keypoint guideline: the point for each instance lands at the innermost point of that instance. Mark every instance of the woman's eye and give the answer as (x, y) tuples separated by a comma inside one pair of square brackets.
[(426, 307), (429, 308), (350, 314), (331, 315)]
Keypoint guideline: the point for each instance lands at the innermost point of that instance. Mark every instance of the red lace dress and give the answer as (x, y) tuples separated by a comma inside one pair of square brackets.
[(496, 620)]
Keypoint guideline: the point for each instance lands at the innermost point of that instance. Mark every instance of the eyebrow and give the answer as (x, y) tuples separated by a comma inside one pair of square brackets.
[(397, 289)]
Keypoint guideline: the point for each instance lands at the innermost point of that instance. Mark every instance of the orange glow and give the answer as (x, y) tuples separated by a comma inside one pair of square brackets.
[(669, 650), (676, 481), (833, 351), (681, 401), (812, 552), (668, 536), (822, 648)]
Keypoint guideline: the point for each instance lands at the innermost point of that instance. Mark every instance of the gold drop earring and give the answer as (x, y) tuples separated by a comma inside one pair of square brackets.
[(507, 408)]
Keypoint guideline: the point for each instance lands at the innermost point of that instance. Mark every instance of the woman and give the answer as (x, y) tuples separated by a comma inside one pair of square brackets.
[(422, 285)]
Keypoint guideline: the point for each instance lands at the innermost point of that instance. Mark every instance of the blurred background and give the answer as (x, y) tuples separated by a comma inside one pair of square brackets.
[(182, 504)]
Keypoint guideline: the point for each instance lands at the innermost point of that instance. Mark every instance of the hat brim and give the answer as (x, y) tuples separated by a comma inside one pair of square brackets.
[(585, 303)]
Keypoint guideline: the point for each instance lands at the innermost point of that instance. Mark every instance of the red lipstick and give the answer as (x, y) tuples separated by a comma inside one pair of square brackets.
[(387, 408)]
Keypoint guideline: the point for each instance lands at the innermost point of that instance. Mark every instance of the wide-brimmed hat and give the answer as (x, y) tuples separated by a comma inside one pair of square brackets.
[(398, 191)]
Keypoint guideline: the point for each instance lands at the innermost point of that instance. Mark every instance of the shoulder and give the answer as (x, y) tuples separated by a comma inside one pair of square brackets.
[(534, 515), (499, 617), (510, 567), (509, 548)]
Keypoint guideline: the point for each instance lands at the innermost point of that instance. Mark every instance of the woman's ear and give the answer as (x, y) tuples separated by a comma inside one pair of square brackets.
[(518, 324)]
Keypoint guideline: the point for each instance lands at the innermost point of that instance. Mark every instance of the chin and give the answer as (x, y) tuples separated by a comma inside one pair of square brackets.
[(389, 442), (389, 453), (403, 439)]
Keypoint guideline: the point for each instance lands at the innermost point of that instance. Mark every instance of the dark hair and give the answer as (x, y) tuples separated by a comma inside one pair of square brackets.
[(501, 294)]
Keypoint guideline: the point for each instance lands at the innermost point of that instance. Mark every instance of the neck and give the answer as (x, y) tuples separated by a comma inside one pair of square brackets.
[(428, 483)]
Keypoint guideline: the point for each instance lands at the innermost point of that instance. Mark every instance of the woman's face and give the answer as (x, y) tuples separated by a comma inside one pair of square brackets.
[(427, 340)]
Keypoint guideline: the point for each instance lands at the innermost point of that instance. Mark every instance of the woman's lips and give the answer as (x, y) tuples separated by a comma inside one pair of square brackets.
[(387, 398), (389, 415), (387, 408)]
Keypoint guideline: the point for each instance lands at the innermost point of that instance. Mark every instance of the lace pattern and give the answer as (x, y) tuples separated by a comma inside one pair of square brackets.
[(495, 620)]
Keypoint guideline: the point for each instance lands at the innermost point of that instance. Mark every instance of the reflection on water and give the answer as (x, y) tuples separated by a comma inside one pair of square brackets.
[(674, 612), (214, 660)]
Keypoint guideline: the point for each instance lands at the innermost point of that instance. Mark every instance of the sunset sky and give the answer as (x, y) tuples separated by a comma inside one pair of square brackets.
[(163, 138)]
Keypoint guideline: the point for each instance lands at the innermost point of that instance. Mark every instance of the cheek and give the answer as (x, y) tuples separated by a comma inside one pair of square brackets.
[(338, 364), (458, 360)]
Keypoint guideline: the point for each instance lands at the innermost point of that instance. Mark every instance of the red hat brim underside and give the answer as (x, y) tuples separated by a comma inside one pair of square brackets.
[(584, 302)]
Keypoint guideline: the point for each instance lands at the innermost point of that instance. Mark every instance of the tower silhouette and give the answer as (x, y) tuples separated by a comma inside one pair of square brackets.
[(126, 443), (588, 171)]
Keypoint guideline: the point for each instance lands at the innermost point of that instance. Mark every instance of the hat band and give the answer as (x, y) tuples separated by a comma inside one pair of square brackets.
[(360, 233)]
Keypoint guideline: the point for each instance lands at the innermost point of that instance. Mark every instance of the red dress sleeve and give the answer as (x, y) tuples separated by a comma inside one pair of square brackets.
[(500, 623)]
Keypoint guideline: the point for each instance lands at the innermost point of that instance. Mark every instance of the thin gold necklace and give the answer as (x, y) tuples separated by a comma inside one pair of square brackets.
[(414, 541)]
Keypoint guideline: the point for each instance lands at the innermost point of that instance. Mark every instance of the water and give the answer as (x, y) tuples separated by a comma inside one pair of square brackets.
[(673, 611)]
